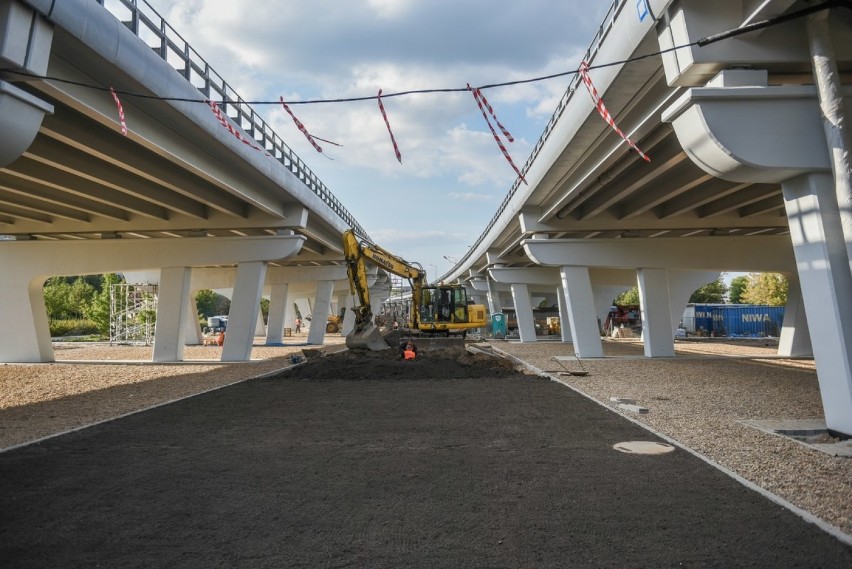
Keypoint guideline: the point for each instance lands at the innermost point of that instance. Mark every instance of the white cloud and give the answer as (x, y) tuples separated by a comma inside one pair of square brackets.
[(452, 170)]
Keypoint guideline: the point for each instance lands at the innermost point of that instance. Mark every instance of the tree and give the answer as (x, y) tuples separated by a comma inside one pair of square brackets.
[(210, 303), (766, 288), (57, 291), (99, 310), (80, 298), (711, 293), (627, 297), (264, 309), (737, 289)]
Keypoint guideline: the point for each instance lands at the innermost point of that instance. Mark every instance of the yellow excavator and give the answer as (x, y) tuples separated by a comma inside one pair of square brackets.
[(435, 309)]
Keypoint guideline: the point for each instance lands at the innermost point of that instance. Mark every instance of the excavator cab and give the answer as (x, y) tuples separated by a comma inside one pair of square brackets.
[(443, 304)]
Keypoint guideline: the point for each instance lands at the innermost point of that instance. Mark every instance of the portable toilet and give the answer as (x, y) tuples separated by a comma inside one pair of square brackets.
[(498, 325)]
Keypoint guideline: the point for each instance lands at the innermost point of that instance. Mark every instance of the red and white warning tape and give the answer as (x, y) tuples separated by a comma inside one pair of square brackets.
[(120, 111), (227, 124), (478, 92), (387, 123), (483, 103), (300, 126), (599, 105)]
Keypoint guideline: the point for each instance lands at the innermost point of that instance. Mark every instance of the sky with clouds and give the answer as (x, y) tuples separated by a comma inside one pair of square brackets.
[(435, 204)]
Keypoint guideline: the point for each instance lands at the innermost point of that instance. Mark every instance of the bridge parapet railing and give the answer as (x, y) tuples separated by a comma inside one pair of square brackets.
[(147, 24)]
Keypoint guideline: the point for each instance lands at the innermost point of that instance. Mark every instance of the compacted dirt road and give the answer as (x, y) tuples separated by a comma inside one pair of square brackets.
[(366, 460)]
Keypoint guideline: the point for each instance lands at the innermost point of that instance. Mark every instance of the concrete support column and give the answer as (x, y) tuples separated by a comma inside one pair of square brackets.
[(378, 295), (322, 300), (564, 323), (581, 311), (349, 315), (245, 305), (305, 309), (172, 299), (523, 312), (795, 340), (259, 327), (656, 313), (604, 295), (275, 320), (681, 286), (23, 304), (825, 279), (494, 303), (835, 124), (191, 327), (477, 297)]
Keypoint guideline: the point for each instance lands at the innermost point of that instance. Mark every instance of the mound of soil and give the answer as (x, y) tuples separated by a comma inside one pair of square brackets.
[(354, 365)]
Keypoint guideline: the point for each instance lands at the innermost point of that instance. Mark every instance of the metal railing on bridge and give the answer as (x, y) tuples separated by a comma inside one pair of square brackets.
[(144, 21)]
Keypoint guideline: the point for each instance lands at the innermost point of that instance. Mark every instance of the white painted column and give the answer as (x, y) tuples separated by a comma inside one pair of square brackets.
[(259, 327), (795, 340), (172, 298), (275, 320), (523, 312), (494, 304), (564, 322), (681, 286), (23, 304), (245, 305), (305, 309), (191, 327), (378, 295), (322, 300), (825, 279), (654, 303), (581, 311), (604, 295), (838, 137)]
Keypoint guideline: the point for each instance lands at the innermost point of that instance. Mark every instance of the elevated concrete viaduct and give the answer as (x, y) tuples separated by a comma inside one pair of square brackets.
[(183, 191), (742, 107)]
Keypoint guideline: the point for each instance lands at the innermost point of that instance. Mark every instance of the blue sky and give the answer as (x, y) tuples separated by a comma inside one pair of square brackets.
[(453, 176)]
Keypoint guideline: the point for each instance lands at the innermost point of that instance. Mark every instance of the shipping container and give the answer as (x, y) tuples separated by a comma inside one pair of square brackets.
[(698, 318), (733, 320)]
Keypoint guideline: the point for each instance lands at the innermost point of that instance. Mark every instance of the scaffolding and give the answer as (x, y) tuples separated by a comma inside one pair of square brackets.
[(133, 313)]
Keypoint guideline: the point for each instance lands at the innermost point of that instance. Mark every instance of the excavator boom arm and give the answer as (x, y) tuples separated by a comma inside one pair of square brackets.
[(356, 253)]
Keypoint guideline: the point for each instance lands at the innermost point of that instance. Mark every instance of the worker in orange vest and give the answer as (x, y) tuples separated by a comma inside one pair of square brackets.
[(409, 352)]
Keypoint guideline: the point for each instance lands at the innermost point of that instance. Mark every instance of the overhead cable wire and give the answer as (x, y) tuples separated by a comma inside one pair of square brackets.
[(829, 4)]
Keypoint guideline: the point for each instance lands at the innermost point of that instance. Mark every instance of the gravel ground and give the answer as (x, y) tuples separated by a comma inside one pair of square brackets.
[(84, 386), (698, 399)]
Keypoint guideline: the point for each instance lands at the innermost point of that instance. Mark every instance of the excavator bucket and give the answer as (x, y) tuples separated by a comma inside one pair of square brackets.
[(368, 338)]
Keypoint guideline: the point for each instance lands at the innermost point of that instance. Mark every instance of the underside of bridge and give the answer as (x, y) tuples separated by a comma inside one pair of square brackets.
[(190, 194), (596, 187), (168, 177)]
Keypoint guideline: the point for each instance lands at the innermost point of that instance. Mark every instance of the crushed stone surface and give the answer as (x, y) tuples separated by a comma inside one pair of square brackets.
[(697, 398)]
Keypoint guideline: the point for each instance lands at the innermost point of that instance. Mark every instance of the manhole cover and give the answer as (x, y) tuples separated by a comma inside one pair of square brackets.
[(643, 447)]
